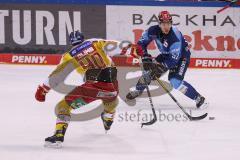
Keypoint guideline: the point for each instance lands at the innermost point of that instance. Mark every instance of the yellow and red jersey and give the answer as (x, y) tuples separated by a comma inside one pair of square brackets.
[(90, 54)]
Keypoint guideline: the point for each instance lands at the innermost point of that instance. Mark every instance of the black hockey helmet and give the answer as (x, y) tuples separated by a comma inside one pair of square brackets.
[(76, 38)]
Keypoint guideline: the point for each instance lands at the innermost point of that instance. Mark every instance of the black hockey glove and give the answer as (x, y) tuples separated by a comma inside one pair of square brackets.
[(147, 62)]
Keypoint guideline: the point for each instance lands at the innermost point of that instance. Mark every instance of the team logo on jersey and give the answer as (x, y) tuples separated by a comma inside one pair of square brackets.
[(165, 43)]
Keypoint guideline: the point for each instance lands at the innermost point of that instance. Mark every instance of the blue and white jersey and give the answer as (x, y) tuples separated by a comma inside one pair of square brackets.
[(173, 46)]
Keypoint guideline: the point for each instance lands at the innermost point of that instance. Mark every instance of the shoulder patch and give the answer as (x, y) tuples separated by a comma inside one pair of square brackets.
[(80, 48)]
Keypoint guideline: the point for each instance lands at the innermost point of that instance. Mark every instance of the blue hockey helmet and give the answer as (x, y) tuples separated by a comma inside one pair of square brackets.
[(76, 38)]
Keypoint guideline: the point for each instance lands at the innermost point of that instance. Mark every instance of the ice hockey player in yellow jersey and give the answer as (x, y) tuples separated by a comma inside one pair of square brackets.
[(89, 58)]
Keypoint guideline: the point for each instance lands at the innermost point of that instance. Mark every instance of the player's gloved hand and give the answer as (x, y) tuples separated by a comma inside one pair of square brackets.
[(161, 58), (147, 62), (155, 68), (159, 70), (41, 92), (150, 66)]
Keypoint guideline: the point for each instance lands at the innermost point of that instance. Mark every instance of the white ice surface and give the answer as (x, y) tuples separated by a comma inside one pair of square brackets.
[(25, 123)]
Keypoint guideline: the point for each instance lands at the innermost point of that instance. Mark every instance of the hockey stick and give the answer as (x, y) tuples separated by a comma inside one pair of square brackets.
[(175, 100), (227, 6), (124, 50), (150, 100)]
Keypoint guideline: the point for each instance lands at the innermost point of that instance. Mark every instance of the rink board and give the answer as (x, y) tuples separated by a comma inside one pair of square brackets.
[(40, 30), (48, 59)]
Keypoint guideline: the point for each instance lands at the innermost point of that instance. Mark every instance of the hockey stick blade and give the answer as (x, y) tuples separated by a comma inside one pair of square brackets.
[(149, 123), (152, 121), (197, 118)]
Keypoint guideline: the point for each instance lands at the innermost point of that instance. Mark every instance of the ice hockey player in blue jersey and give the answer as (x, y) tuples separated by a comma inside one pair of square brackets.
[(174, 55)]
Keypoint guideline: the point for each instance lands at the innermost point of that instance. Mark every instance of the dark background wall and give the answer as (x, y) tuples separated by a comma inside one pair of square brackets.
[(92, 22)]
